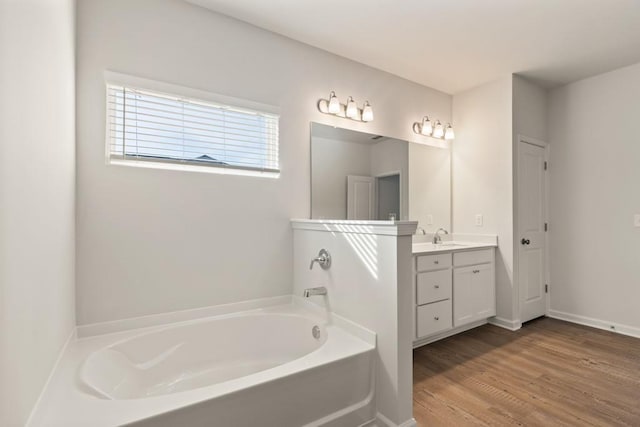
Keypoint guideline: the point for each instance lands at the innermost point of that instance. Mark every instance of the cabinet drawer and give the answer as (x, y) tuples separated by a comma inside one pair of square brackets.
[(481, 256), (433, 286), (433, 262), (433, 318)]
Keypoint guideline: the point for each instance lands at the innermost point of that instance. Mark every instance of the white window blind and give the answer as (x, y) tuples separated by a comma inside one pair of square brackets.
[(148, 126)]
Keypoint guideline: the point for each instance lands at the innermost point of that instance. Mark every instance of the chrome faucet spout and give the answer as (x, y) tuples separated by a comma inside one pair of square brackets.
[(320, 290), (436, 237)]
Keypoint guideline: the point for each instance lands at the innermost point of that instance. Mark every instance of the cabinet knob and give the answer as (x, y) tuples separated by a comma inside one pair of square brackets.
[(436, 318), (436, 286)]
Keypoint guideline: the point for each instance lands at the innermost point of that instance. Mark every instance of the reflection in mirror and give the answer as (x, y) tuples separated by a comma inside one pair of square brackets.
[(359, 176)]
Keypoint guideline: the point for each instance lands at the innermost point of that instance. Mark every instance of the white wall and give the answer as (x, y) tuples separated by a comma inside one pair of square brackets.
[(482, 176), (390, 156), (595, 171), (331, 162), (151, 241), (36, 197)]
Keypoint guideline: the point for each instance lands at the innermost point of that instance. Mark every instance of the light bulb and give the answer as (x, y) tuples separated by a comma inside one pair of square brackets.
[(352, 108), (438, 131), (448, 133), (334, 104), (426, 128), (367, 112)]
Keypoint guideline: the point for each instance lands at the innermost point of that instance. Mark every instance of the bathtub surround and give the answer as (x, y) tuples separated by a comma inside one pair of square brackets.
[(37, 197), (595, 178), (369, 283), (191, 239)]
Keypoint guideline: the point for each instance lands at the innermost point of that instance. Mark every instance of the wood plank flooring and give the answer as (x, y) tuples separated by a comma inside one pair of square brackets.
[(550, 373)]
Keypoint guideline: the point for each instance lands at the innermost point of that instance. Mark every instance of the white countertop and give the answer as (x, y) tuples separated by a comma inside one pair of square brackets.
[(449, 246)]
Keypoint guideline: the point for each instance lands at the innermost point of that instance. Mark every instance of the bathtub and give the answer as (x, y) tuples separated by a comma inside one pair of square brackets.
[(285, 365)]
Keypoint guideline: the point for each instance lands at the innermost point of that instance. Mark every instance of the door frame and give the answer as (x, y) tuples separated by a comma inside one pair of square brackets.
[(400, 189), (522, 139)]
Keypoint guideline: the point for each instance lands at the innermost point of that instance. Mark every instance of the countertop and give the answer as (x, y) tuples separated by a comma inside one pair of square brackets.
[(449, 246)]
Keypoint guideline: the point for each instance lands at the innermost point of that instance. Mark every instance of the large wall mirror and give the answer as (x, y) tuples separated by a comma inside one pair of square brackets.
[(359, 176)]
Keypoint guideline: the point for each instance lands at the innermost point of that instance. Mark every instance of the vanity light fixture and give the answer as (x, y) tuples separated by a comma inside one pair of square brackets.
[(349, 110), (334, 104), (438, 130), (427, 128), (367, 112), (448, 133)]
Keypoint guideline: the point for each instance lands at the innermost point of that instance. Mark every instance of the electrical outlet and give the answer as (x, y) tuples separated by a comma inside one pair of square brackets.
[(429, 219), (479, 220), (636, 220)]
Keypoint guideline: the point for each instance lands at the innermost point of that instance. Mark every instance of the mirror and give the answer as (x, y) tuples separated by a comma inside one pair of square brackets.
[(360, 176)]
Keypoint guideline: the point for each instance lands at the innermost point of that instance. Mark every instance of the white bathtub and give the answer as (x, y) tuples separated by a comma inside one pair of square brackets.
[(262, 367)]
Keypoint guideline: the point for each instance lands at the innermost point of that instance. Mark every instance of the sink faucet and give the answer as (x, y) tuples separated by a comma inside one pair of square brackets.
[(320, 290), (323, 258), (420, 230), (436, 237)]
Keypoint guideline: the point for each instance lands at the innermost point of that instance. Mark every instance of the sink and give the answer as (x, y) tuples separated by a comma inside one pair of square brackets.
[(448, 245)]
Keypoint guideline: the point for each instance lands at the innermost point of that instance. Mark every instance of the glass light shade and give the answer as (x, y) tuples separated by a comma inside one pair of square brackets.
[(334, 104), (367, 112), (426, 128), (352, 108), (448, 133), (438, 130)]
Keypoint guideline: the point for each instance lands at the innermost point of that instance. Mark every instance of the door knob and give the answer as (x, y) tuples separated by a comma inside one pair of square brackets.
[(525, 241)]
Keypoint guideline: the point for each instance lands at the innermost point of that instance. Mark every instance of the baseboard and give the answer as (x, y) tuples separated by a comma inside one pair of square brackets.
[(447, 334), (72, 336), (108, 327), (512, 325), (596, 323), (382, 421)]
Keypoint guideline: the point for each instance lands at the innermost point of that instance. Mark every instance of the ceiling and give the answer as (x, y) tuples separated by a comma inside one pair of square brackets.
[(453, 45)]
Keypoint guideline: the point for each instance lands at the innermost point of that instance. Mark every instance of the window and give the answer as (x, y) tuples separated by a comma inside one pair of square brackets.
[(156, 129)]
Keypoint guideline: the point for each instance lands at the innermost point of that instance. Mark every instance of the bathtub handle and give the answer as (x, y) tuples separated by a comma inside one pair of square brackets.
[(323, 258)]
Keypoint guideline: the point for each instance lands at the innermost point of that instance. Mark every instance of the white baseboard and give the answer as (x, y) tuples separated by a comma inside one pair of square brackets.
[(72, 336), (512, 325), (596, 323), (178, 316), (382, 421), (447, 334)]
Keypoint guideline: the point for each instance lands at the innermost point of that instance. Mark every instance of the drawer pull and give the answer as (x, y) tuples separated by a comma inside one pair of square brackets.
[(436, 286), (476, 271), (436, 262), (436, 318)]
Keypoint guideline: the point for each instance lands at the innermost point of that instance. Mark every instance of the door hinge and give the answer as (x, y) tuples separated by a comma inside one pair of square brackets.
[(545, 165), (546, 226), (546, 289)]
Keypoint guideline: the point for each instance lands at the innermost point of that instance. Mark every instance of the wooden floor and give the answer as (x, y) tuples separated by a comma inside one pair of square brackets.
[(550, 373)]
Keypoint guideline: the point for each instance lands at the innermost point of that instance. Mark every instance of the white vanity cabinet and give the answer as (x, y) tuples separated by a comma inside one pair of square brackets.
[(453, 289)]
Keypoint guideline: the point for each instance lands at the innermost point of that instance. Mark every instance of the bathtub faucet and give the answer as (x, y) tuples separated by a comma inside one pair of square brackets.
[(323, 258), (320, 290)]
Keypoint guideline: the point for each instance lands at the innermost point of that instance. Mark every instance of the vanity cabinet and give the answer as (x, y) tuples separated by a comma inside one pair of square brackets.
[(453, 289)]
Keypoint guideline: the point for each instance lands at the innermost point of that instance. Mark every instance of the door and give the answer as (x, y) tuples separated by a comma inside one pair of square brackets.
[(360, 197), (531, 238), (473, 294)]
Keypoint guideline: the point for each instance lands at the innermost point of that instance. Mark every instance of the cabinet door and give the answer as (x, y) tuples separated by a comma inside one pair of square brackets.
[(473, 294)]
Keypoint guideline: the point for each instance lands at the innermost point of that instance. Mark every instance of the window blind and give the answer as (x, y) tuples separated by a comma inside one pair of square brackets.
[(146, 126)]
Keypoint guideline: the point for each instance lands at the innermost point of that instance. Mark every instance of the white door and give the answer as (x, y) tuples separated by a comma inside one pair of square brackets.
[(360, 197), (531, 238)]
